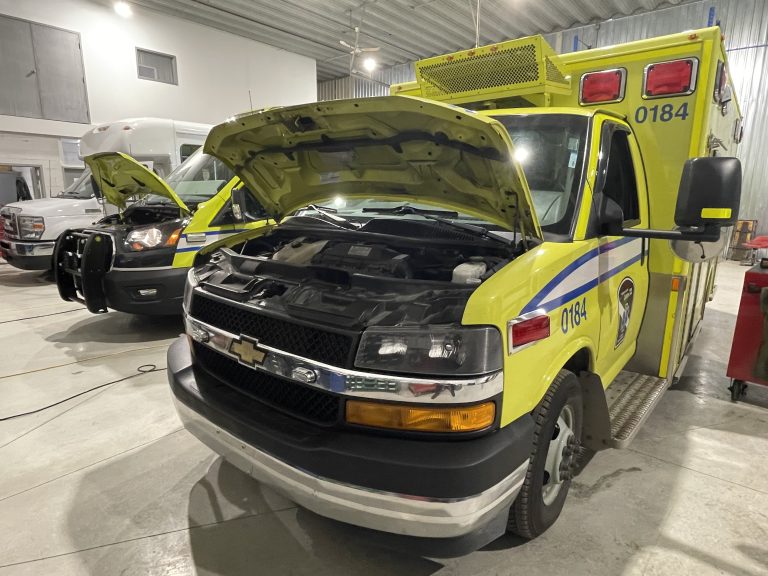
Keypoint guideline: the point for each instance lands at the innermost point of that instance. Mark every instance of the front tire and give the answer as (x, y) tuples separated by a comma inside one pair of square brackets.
[(556, 440)]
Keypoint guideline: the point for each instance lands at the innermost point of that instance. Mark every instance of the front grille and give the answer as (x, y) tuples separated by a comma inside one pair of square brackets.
[(305, 341), (9, 224), (293, 398)]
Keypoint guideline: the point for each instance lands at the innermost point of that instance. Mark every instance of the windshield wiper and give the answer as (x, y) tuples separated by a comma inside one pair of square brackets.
[(430, 214), (333, 219)]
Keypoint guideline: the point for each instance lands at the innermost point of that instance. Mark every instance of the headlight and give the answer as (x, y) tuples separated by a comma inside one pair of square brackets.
[(153, 237), (433, 350), (189, 287), (31, 227)]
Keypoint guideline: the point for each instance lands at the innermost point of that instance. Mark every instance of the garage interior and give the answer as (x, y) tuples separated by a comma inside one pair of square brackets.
[(99, 475)]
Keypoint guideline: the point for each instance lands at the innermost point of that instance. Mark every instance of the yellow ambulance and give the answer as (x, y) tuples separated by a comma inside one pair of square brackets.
[(472, 284)]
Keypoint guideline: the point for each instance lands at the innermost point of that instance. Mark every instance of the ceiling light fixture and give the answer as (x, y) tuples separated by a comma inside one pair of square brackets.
[(370, 64), (123, 9)]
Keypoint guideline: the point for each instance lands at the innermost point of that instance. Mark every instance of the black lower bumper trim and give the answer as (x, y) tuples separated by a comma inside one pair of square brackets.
[(121, 288), (418, 467)]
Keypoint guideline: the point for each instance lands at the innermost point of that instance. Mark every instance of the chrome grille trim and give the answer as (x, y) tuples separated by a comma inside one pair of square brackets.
[(353, 383)]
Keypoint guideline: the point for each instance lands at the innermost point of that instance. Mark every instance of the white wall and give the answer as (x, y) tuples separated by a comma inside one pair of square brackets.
[(215, 69)]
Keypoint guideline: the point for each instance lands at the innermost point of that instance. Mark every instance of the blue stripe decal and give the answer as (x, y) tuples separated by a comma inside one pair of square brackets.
[(557, 302), (552, 284), (218, 232), (619, 268), (615, 244), (535, 303)]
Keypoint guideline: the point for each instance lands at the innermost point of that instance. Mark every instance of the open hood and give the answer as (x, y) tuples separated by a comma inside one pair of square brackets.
[(120, 177), (393, 148)]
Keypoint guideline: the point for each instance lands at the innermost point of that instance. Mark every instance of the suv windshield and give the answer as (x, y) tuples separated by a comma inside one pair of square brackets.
[(197, 179), (551, 150), (80, 189)]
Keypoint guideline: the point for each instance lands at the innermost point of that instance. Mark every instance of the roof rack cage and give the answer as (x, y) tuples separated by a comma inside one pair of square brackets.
[(526, 68)]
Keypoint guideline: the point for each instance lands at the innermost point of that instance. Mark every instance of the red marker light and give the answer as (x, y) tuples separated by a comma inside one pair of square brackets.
[(604, 86), (670, 78), (527, 331)]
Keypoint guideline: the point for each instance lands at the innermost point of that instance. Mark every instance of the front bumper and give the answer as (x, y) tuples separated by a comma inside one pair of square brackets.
[(432, 489), (121, 290), (85, 272), (28, 255)]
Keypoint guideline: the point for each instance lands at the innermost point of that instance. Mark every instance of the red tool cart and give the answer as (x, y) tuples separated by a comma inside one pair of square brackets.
[(749, 351)]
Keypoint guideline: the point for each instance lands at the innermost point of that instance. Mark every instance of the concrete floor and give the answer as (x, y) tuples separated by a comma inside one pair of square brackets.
[(109, 482)]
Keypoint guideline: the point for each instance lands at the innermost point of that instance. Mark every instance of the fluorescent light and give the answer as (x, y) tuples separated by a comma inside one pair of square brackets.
[(521, 154), (123, 9), (369, 64)]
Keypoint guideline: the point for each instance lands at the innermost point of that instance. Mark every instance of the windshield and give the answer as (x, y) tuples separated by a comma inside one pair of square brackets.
[(197, 179), (550, 148), (80, 189)]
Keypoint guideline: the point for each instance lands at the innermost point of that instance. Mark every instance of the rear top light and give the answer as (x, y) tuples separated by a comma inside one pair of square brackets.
[(673, 78), (603, 87), (525, 331)]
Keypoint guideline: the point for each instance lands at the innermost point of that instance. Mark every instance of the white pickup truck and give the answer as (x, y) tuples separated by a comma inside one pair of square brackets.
[(31, 228)]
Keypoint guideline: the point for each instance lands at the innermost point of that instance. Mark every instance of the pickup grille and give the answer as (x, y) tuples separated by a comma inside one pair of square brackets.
[(9, 224), (301, 401), (305, 341)]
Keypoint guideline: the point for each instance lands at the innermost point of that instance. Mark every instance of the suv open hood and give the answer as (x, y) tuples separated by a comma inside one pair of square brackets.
[(120, 177), (394, 148)]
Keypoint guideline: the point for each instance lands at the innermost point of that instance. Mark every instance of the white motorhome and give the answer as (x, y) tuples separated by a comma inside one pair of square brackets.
[(31, 228)]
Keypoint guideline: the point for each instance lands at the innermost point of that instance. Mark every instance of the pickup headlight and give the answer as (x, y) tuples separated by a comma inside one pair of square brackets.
[(432, 350), (162, 236), (31, 227)]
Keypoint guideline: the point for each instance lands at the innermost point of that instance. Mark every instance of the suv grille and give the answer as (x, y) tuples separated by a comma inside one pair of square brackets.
[(305, 341), (296, 399)]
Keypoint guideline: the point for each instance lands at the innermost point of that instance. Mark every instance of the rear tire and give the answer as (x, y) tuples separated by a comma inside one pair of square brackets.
[(556, 441)]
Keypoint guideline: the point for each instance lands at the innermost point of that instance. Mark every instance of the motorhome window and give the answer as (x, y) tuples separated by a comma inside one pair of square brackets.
[(620, 180), (551, 150), (186, 150), (80, 189)]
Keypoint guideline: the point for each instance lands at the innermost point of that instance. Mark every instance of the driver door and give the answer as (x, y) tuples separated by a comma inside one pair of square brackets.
[(623, 261)]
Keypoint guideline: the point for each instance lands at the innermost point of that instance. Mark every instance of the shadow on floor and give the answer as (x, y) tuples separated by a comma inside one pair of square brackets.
[(118, 328), (288, 540), (15, 278)]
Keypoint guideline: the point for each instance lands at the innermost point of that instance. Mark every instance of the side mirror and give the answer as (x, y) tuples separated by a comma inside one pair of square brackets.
[(709, 193), (238, 203), (610, 216)]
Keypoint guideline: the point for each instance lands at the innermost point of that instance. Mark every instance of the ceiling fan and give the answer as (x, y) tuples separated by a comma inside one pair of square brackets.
[(355, 50)]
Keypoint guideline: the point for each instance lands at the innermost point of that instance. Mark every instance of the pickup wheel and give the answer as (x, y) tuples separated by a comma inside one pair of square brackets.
[(556, 442)]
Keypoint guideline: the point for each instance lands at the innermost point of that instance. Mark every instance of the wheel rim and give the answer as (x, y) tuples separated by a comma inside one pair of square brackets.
[(560, 463)]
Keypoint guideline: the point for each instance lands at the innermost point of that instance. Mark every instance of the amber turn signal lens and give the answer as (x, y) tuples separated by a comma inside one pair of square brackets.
[(173, 239), (418, 418)]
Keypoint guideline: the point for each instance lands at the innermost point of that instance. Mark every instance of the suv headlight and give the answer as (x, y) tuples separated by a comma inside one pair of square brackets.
[(31, 227), (433, 350), (158, 236)]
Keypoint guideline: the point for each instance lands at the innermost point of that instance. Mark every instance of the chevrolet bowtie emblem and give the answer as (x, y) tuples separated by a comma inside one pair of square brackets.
[(247, 350)]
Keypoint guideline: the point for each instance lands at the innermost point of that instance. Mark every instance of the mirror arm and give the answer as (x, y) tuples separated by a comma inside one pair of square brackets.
[(710, 233)]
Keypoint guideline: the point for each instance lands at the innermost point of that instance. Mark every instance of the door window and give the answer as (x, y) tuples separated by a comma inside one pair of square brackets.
[(620, 179)]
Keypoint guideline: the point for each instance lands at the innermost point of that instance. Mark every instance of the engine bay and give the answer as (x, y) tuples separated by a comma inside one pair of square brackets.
[(387, 272)]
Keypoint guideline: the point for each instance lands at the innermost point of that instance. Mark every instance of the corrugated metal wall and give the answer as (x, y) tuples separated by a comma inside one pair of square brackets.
[(745, 25), (360, 87)]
